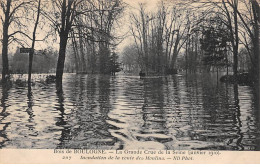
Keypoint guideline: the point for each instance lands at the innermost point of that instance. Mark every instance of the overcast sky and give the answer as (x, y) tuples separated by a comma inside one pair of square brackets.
[(133, 5)]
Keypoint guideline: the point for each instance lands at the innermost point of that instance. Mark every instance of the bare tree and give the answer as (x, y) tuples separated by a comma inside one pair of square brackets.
[(141, 24), (62, 18), (250, 19), (33, 43), (10, 8), (159, 36)]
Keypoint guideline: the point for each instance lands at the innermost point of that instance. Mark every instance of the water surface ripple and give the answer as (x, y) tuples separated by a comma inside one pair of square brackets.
[(126, 112)]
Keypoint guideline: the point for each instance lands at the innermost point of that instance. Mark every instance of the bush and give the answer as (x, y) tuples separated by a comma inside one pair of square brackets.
[(50, 79), (242, 79)]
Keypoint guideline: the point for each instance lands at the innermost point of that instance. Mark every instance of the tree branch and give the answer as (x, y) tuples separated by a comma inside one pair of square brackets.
[(20, 32), (17, 7)]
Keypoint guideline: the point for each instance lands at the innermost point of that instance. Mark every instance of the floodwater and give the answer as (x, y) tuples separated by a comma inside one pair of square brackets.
[(184, 112)]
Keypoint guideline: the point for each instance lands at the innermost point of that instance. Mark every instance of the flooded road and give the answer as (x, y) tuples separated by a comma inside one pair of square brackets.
[(126, 112)]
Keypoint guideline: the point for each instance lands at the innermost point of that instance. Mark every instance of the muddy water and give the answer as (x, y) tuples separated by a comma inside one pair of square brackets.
[(126, 112)]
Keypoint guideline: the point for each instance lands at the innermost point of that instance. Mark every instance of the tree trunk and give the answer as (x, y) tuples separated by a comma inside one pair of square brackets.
[(5, 70), (61, 58), (33, 43), (256, 15), (93, 58), (5, 62), (235, 51), (234, 40), (145, 51), (256, 71), (196, 52), (64, 32), (74, 44), (175, 52), (103, 58), (186, 57), (83, 68)]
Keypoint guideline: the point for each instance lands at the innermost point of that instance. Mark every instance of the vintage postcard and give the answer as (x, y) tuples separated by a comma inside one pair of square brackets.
[(129, 81)]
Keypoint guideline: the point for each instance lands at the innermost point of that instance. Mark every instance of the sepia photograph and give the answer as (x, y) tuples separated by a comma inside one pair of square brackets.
[(141, 75)]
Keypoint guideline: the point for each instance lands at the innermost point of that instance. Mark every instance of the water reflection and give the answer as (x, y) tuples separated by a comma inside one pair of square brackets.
[(3, 115), (126, 112), (31, 122), (256, 105)]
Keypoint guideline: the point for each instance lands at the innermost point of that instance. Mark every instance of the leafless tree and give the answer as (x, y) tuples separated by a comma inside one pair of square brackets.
[(10, 15)]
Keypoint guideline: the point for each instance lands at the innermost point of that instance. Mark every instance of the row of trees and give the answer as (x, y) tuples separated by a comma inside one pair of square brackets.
[(205, 32), (89, 25), (159, 36), (241, 18), (197, 35), (94, 37)]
